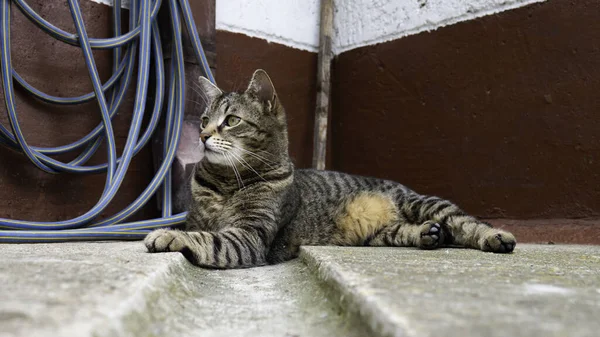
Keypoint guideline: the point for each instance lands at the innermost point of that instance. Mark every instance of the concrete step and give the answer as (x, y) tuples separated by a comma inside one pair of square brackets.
[(116, 289), (82, 289), (540, 290)]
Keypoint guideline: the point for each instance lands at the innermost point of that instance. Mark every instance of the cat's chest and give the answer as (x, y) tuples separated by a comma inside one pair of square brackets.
[(213, 211), (208, 208)]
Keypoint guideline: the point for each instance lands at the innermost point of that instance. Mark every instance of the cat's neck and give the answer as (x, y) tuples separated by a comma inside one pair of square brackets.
[(223, 178)]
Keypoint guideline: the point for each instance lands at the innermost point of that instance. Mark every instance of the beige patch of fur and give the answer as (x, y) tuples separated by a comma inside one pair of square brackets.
[(363, 215)]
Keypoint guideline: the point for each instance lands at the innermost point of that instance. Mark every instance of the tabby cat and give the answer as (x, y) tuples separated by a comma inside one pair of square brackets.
[(250, 207)]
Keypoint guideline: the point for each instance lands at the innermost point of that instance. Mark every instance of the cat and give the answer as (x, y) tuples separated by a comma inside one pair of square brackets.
[(250, 207)]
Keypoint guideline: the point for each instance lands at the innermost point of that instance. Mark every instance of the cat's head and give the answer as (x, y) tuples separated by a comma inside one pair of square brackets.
[(247, 128)]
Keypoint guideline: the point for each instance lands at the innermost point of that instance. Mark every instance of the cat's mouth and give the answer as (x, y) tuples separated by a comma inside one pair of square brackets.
[(209, 148)]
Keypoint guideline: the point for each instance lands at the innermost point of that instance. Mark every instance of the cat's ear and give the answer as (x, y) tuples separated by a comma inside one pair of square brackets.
[(209, 90), (262, 87)]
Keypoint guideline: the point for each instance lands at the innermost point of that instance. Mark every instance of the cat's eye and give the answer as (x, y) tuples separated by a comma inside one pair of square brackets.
[(204, 122), (232, 120)]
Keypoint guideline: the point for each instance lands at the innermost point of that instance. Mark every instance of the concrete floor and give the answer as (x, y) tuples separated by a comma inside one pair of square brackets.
[(116, 289), (540, 290)]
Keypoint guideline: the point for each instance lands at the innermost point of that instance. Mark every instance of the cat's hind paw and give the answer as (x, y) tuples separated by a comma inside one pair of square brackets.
[(430, 235), (498, 241), (165, 240)]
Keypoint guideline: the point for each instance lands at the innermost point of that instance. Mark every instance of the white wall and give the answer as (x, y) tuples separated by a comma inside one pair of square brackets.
[(293, 23), (357, 23), (362, 22)]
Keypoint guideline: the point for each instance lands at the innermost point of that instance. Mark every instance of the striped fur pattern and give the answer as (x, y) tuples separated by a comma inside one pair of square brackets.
[(251, 207)]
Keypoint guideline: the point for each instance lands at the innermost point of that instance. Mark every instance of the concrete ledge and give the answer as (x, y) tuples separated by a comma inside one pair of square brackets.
[(551, 290), (117, 289), (83, 289)]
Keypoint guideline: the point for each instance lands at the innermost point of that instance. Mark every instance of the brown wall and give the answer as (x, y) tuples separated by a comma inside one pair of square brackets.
[(293, 72), (499, 114)]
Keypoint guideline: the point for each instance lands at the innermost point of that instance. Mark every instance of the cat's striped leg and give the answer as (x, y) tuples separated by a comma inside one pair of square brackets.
[(464, 230), (413, 226), (467, 231), (230, 248), (441, 223), (428, 235)]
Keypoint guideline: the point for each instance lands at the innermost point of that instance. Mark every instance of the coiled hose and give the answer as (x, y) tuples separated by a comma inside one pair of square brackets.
[(142, 42)]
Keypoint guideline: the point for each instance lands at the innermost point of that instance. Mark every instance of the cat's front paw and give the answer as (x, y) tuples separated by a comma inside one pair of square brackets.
[(165, 240), (430, 235), (498, 241)]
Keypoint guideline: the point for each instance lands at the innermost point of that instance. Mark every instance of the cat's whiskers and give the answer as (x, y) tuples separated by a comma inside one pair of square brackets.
[(228, 148), (235, 171), (238, 173), (200, 93), (267, 153), (260, 158), (254, 153), (246, 164), (191, 100), (202, 96)]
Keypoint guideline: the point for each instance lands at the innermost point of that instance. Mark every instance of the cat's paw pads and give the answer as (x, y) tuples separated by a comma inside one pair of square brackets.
[(164, 240), (499, 242), (430, 235)]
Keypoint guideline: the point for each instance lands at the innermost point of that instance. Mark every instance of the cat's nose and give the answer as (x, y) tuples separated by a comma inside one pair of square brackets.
[(204, 137)]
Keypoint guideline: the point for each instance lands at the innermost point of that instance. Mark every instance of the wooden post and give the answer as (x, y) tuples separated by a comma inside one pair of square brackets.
[(323, 84)]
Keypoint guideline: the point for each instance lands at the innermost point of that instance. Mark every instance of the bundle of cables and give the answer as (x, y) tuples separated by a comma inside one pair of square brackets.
[(141, 43)]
